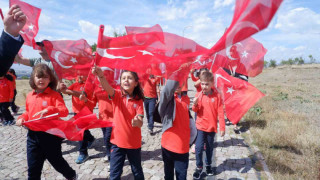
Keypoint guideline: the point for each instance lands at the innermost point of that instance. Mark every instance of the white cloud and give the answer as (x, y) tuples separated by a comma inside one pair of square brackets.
[(299, 48), (222, 3), (171, 13), (299, 20), (88, 27)]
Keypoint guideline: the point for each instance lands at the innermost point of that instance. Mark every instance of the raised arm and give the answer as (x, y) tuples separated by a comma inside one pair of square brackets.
[(104, 83)]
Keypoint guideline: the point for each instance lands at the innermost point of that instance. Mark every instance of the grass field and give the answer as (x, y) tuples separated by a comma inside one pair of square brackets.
[(285, 124)]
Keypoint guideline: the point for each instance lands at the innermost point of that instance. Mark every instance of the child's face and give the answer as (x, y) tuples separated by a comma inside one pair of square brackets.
[(41, 82), (206, 86), (128, 82)]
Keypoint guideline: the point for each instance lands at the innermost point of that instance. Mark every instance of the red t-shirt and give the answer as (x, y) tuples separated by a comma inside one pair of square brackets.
[(176, 139), (208, 109), (6, 90), (49, 99), (150, 87), (124, 110), (105, 104), (77, 104)]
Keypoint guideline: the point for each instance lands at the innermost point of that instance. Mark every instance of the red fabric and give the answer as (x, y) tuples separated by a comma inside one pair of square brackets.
[(49, 99), (238, 95), (176, 138), (31, 28), (208, 109), (6, 90), (77, 104), (124, 110), (71, 129), (185, 86), (70, 58), (150, 87), (249, 18), (14, 79), (245, 57), (105, 104)]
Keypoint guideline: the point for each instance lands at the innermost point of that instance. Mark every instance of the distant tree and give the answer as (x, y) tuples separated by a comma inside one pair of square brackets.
[(116, 34), (301, 60), (284, 62), (266, 63), (296, 60), (312, 59), (273, 63), (94, 47)]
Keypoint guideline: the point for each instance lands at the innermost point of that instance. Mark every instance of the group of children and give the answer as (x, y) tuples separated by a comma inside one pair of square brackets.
[(8, 94), (124, 107)]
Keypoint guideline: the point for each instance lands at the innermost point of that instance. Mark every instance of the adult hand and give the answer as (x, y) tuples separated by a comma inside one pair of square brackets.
[(14, 20), (96, 70), (222, 133)]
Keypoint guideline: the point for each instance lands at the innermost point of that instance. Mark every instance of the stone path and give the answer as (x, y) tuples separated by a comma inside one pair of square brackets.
[(232, 156)]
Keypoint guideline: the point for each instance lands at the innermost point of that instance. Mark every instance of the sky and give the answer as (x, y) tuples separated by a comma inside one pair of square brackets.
[(293, 32)]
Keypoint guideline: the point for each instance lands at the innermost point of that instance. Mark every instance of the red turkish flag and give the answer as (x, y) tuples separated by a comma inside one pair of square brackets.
[(70, 58), (31, 28), (249, 18), (238, 95), (245, 57), (71, 129)]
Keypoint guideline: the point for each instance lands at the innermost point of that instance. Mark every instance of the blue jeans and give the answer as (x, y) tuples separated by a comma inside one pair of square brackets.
[(150, 104), (174, 161), (106, 138), (208, 138), (42, 146), (118, 156)]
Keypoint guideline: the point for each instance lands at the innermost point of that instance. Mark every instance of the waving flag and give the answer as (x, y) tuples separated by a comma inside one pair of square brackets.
[(72, 129), (249, 18), (31, 28), (70, 58), (245, 57), (238, 95)]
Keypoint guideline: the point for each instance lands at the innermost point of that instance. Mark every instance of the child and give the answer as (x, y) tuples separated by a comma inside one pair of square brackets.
[(127, 118), (105, 114), (76, 89), (208, 106), (6, 97), (174, 113), (43, 101), (196, 78), (14, 107), (151, 93)]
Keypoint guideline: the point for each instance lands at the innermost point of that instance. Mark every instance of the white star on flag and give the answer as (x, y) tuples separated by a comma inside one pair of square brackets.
[(31, 27), (74, 60), (244, 54), (230, 90), (144, 52)]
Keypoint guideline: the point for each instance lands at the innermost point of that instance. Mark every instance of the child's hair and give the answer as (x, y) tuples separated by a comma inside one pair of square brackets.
[(201, 70), (137, 92), (12, 71), (206, 76), (41, 70)]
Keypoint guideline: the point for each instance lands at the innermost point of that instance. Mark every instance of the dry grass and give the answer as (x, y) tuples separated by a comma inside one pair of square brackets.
[(23, 88), (285, 124)]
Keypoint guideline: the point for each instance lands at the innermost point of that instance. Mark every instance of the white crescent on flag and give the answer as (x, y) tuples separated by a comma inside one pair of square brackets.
[(56, 57), (103, 52)]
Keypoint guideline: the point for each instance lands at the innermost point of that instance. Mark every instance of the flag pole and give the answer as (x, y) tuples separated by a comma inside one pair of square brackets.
[(100, 36), (51, 115)]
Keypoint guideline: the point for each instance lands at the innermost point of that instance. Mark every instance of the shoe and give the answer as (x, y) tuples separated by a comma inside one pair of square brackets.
[(11, 122), (5, 122), (82, 158), (74, 177), (150, 131), (236, 130), (209, 171), (16, 112), (90, 143), (197, 173), (105, 159)]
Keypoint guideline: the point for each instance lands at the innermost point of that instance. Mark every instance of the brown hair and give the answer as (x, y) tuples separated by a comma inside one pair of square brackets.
[(137, 92), (41, 70), (206, 76)]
